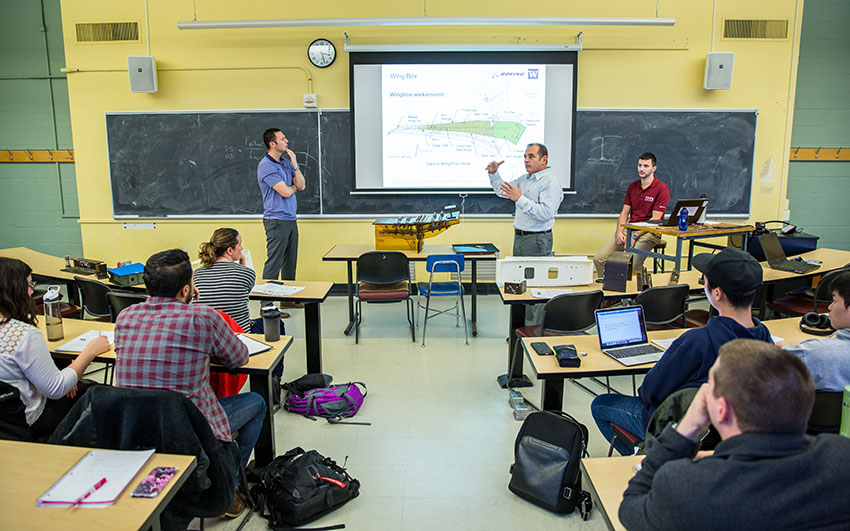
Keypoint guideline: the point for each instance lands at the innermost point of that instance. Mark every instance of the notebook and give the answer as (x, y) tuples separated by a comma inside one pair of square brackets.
[(776, 259), (622, 335), (254, 346)]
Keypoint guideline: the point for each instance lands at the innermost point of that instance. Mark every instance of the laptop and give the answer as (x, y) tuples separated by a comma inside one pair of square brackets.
[(695, 208), (622, 335), (776, 259)]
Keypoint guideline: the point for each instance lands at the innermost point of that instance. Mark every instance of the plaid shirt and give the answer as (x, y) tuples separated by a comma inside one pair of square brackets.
[(166, 344)]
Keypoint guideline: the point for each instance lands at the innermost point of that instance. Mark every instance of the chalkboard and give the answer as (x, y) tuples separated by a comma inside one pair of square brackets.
[(204, 163)]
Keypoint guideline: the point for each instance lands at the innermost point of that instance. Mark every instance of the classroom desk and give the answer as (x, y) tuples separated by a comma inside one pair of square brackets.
[(29, 469), (349, 254), (46, 267), (694, 232), (259, 370), (831, 259), (518, 305), (607, 479), (597, 364), (313, 294)]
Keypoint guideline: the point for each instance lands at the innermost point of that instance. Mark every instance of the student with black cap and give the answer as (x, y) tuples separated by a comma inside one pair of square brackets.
[(731, 279)]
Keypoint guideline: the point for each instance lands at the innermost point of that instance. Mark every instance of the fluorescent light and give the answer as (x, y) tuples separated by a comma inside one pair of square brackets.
[(428, 21)]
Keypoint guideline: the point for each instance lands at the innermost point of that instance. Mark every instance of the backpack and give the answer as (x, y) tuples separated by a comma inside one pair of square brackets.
[(547, 454), (299, 487), (333, 403)]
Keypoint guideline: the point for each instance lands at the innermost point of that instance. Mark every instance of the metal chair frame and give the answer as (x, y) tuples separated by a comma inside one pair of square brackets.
[(442, 263)]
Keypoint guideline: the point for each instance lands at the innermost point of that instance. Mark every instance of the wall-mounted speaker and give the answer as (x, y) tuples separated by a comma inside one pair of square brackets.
[(718, 70), (142, 69)]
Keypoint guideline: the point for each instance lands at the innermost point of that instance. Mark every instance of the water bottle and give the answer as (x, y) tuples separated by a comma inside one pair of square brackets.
[(683, 220), (845, 413), (271, 323), (53, 314)]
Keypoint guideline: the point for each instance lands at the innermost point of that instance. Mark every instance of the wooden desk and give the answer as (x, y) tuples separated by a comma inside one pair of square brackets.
[(46, 268), (350, 253), (607, 479), (313, 294), (259, 371), (29, 469), (596, 363), (694, 232)]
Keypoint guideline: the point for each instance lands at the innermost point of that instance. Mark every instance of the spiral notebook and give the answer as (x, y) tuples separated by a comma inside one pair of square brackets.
[(118, 467)]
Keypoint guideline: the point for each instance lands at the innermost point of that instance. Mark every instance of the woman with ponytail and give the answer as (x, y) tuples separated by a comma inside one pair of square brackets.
[(223, 280)]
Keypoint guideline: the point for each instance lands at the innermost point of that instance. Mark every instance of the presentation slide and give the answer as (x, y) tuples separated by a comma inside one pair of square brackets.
[(432, 122), (448, 121)]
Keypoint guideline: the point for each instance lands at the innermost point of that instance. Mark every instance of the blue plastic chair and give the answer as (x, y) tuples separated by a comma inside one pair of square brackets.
[(442, 263)]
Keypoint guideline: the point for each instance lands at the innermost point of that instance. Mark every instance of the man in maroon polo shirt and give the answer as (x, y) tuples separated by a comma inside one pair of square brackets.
[(646, 199)]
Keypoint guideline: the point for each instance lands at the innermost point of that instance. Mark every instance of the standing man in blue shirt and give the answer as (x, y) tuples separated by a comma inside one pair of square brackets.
[(280, 178), (537, 195)]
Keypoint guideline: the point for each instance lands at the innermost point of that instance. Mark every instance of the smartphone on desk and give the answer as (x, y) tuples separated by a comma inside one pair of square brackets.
[(542, 348), (154, 482)]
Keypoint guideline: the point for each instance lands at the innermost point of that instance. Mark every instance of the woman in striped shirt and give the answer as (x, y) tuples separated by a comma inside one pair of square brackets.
[(223, 280)]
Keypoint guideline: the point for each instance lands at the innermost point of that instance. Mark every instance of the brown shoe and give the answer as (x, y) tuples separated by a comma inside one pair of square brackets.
[(284, 315), (287, 304), (237, 507)]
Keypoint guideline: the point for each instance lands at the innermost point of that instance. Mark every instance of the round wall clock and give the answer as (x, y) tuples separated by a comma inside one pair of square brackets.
[(321, 53)]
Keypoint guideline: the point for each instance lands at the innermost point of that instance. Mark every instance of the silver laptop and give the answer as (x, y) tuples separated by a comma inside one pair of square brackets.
[(622, 335)]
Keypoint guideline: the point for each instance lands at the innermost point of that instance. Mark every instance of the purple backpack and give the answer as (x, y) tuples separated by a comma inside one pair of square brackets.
[(333, 403)]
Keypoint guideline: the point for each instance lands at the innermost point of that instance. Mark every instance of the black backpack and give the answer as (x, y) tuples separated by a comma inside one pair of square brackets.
[(547, 454), (299, 487)]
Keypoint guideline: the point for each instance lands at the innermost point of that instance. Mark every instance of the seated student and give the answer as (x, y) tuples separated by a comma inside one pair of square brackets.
[(167, 343), (765, 474), (224, 282), (731, 278), (25, 362), (828, 358)]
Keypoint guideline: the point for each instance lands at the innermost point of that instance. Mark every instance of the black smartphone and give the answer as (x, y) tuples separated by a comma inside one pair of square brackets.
[(674, 278), (542, 348)]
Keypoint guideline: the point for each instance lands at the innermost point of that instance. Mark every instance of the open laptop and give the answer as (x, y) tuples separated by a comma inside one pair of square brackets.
[(695, 208), (622, 335), (776, 259)]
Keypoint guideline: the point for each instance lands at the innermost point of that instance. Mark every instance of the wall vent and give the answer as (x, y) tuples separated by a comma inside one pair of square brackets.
[(755, 29), (108, 32)]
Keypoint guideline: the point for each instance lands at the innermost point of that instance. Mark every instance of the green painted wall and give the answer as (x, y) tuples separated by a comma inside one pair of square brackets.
[(819, 192), (32, 195)]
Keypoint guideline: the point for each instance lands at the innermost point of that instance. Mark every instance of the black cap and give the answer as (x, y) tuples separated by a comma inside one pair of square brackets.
[(735, 271)]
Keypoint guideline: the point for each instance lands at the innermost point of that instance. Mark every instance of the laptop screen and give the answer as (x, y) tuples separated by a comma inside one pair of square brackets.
[(772, 248), (620, 326)]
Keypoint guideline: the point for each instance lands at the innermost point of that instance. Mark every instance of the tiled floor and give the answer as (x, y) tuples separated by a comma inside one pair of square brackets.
[(441, 441)]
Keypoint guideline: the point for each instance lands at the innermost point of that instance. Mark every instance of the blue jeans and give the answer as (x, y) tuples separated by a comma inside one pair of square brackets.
[(624, 411), (245, 413)]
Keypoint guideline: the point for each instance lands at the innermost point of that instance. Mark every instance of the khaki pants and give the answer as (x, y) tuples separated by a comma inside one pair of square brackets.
[(646, 242)]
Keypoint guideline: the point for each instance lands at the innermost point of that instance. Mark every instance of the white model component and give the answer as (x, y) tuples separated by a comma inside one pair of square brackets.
[(545, 271)]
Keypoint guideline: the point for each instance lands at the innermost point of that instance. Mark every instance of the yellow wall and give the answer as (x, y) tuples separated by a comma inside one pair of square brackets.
[(626, 67)]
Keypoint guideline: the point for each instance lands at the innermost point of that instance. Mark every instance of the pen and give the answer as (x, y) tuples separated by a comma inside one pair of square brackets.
[(89, 492)]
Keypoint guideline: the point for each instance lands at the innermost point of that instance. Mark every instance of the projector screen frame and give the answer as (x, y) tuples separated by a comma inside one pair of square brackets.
[(547, 57)]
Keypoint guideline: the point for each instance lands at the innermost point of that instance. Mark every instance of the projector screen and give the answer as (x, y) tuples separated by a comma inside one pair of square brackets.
[(431, 121)]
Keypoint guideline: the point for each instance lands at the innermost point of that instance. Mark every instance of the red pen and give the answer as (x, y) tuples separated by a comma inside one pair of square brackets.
[(89, 492)]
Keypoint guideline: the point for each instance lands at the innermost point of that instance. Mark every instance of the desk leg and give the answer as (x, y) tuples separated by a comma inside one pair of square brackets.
[(350, 324), (514, 377), (678, 260), (474, 320), (313, 336), (552, 395), (264, 450)]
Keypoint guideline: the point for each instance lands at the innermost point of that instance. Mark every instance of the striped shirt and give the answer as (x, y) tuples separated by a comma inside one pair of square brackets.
[(225, 286), (163, 343)]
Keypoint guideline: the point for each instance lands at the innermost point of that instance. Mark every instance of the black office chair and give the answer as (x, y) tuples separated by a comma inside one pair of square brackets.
[(662, 305), (119, 300), (135, 419), (13, 418), (826, 413), (800, 302), (383, 277), (93, 298)]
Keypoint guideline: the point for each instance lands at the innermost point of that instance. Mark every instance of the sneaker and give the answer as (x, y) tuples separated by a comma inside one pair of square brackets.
[(237, 507)]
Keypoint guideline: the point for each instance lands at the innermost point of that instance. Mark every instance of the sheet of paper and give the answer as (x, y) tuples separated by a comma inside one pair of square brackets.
[(548, 293), (118, 467), (644, 224), (777, 339), (79, 343), (276, 290), (664, 343), (254, 346)]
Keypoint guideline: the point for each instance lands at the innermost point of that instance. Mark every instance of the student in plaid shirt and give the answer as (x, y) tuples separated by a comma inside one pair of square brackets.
[(168, 343)]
